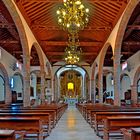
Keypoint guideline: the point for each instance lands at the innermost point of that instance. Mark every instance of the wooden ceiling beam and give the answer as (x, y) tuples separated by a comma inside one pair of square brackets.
[(134, 27), (89, 28), (9, 42), (61, 59), (64, 43), (12, 31), (7, 25), (127, 53), (129, 30), (131, 43), (62, 53), (91, 1)]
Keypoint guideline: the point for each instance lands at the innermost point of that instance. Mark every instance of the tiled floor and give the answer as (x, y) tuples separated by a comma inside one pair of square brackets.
[(72, 126)]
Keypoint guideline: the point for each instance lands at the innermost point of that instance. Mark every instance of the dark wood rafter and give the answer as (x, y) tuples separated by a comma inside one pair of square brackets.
[(9, 42), (89, 28), (40, 16), (132, 43), (59, 43), (93, 1), (129, 29), (12, 31)]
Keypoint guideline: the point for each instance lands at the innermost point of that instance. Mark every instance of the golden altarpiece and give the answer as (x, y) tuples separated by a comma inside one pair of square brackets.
[(70, 84)]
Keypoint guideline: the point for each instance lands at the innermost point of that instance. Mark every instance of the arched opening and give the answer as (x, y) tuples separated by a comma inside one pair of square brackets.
[(71, 74), (108, 87), (70, 84), (35, 87), (96, 89), (126, 45), (125, 89), (2, 89), (138, 89), (37, 80), (16, 85), (105, 66)]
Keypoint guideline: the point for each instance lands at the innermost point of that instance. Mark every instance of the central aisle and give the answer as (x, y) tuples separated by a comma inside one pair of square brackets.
[(72, 126)]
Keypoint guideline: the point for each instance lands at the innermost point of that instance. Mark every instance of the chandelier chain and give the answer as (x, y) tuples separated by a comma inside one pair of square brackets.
[(73, 17)]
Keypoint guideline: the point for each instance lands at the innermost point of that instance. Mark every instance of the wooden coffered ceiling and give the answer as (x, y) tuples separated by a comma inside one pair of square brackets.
[(41, 18)]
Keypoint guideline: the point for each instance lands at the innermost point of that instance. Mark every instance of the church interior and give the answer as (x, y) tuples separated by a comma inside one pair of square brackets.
[(69, 69)]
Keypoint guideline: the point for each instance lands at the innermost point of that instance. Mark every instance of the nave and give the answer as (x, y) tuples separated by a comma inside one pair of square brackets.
[(72, 126)]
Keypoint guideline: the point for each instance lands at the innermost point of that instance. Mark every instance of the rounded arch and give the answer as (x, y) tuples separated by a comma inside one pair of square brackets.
[(40, 55), (25, 48), (8, 97), (103, 53), (2, 89), (123, 24), (21, 76), (93, 70), (136, 76), (134, 89), (48, 69), (4, 72), (69, 67), (117, 49), (76, 68), (18, 22), (42, 69), (100, 69), (125, 82)]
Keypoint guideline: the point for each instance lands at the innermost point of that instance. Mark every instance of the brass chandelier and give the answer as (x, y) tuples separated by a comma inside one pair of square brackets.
[(73, 17), (73, 51)]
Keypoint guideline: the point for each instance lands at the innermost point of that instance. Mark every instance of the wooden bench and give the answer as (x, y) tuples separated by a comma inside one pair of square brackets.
[(100, 116), (44, 117), (51, 112), (116, 123), (132, 134), (31, 125), (7, 135)]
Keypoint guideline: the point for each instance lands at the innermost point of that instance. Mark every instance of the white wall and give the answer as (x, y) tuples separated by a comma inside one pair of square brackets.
[(9, 62)]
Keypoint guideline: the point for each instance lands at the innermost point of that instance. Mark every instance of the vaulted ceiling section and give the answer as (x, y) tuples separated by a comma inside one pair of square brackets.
[(41, 18)]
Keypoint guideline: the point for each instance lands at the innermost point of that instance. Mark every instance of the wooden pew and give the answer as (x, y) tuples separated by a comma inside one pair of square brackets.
[(108, 108), (135, 134), (126, 134), (7, 135), (56, 110), (100, 116), (31, 125), (116, 123), (44, 117), (51, 112), (132, 134)]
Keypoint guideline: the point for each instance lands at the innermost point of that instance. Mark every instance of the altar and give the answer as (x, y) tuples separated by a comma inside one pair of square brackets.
[(71, 101)]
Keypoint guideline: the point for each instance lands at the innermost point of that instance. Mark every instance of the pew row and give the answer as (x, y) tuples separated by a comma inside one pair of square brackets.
[(28, 125), (132, 134), (113, 124), (44, 117), (100, 116)]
